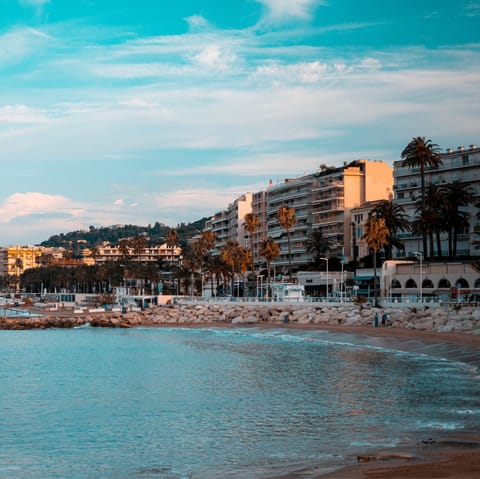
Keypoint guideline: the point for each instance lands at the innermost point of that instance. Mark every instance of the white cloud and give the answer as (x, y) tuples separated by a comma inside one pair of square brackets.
[(119, 202), (197, 22), (21, 114), (32, 203), (212, 56), (20, 43), (279, 10)]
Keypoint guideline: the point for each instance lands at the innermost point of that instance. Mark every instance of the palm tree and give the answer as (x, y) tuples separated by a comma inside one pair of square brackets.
[(229, 255), (395, 220), (287, 219), (456, 195), (376, 235), (421, 153), (18, 266), (138, 244), (270, 251), (171, 239), (252, 224), (318, 245), (244, 260), (124, 248), (431, 217)]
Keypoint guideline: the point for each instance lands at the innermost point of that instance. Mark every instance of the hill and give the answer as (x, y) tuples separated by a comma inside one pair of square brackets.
[(156, 234)]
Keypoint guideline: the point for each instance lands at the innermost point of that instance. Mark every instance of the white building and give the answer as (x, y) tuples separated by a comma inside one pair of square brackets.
[(462, 165)]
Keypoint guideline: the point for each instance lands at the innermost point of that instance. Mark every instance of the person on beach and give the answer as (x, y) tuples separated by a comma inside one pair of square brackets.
[(375, 320), (384, 319)]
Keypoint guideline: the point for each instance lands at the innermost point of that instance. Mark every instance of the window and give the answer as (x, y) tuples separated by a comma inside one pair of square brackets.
[(444, 283), (465, 160), (427, 283), (401, 195), (411, 283)]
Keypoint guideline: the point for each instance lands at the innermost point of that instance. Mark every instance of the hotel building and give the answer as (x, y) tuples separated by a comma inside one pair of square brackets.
[(14, 260), (229, 224), (462, 165)]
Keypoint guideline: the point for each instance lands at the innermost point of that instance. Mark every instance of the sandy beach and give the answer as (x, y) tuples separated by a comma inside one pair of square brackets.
[(455, 456)]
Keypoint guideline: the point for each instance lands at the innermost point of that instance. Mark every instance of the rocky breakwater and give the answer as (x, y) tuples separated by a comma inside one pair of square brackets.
[(442, 319)]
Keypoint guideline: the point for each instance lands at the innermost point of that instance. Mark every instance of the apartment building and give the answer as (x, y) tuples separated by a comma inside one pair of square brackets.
[(462, 165), (259, 208), (14, 260), (229, 224), (149, 254), (295, 193), (338, 190), (358, 247)]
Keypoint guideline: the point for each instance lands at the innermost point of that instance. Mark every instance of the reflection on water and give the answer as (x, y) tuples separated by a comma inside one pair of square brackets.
[(176, 403)]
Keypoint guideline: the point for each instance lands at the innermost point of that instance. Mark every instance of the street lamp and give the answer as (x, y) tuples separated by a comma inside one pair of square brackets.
[(259, 277), (326, 261), (420, 256)]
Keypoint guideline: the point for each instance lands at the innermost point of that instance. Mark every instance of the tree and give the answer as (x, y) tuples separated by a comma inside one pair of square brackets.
[(456, 195), (270, 251), (287, 219), (318, 245), (376, 236), (18, 266), (252, 224), (229, 255), (171, 239), (138, 244), (396, 220), (421, 153), (124, 248)]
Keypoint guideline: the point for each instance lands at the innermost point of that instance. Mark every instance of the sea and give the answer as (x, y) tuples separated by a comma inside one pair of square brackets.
[(177, 403)]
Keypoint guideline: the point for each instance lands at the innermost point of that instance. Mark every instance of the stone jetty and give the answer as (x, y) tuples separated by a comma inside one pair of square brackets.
[(441, 318)]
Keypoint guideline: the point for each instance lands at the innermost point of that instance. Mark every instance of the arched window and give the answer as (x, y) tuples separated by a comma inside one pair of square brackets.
[(477, 283), (396, 283), (427, 283), (461, 283), (444, 283), (411, 283)]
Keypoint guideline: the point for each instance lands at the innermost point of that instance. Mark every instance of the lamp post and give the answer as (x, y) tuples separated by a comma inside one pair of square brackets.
[(259, 277), (420, 256), (326, 261)]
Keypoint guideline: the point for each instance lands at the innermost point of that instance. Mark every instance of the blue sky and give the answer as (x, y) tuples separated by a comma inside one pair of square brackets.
[(120, 111)]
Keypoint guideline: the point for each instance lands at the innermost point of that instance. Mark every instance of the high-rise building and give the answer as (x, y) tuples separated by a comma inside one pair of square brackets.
[(461, 165), (338, 190), (14, 260), (295, 193), (229, 224)]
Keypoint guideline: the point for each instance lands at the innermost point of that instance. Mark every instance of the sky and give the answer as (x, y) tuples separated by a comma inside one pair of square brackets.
[(132, 112)]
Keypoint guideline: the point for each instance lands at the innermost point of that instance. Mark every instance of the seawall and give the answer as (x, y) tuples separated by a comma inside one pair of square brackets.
[(440, 319)]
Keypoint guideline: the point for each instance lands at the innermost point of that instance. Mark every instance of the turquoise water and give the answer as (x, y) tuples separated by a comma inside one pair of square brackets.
[(207, 403)]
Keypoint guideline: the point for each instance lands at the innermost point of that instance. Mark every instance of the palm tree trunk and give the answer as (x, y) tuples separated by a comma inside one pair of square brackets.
[(424, 233), (268, 279), (432, 249), (289, 257), (439, 245), (375, 293)]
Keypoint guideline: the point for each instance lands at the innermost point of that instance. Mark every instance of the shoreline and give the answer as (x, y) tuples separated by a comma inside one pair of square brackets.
[(451, 456)]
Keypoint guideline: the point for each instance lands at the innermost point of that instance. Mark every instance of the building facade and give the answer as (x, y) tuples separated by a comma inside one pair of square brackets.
[(338, 190), (294, 193), (229, 224), (149, 254), (14, 260), (462, 165)]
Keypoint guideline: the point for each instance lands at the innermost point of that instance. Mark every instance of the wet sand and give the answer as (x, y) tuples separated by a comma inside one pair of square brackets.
[(448, 456)]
